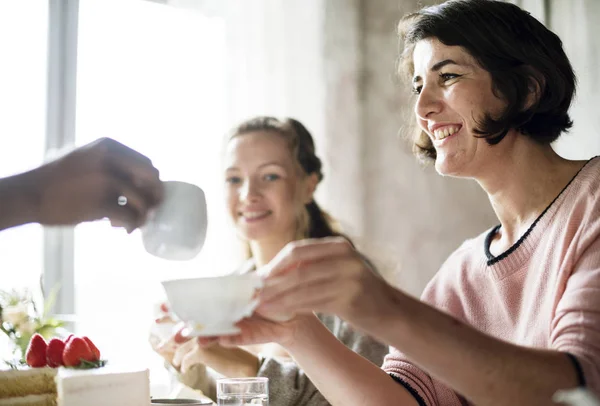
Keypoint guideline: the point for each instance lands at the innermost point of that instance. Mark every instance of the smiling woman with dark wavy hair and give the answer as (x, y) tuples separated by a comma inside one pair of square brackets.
[(529, 69)]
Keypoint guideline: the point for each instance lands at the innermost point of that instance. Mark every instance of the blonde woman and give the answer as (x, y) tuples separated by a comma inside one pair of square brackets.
[(271, 173)]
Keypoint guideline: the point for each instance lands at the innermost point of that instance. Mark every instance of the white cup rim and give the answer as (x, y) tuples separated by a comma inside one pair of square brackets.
[(241, 276)]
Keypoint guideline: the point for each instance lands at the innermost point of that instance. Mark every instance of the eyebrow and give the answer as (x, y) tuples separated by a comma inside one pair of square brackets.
[(437, 67)]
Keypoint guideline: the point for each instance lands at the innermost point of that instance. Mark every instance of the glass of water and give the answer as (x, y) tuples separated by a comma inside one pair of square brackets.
[(243, 391)]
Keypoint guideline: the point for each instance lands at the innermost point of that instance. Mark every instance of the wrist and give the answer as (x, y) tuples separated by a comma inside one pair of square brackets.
[(20, 199), (389, 309), (306, 328), (31, 194), (398, 319)]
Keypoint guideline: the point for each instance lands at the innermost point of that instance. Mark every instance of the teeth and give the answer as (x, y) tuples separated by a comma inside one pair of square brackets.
[(443, 133), (254, 214)]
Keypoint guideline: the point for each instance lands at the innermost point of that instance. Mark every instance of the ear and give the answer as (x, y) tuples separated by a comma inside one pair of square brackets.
[(535, 86), (310, 185)]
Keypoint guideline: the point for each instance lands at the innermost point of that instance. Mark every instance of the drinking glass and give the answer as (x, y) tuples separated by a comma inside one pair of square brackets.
[(243, 391)]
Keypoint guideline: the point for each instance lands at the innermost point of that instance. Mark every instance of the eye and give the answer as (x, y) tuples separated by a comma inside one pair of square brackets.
[(448, 76), (417, 89), (271, 177), (233, 180)]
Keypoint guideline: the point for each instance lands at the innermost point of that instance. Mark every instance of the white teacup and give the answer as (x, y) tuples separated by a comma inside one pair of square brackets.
[(176, 229), (212, 306)]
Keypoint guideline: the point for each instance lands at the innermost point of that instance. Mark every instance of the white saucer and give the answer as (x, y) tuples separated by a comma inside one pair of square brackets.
[(211, 331)]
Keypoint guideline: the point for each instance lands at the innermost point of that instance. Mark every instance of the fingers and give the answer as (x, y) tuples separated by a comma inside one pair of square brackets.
[(164, 319), (173, 348), (182, 335), (154, 341), (277, 316), (164, 348), (321, 295), (181, 351), (205, 342), (190, 359), (174, 339), (125, 206), (305, 274), (129, 174), (335, 285), (114, 147), (233, 341), (145, 181), (307, 251), (135, 168), (126, 216), (259, 330), (254, 330)]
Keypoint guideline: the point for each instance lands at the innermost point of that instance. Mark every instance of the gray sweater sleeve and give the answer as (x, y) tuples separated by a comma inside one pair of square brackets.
[(289, 385)]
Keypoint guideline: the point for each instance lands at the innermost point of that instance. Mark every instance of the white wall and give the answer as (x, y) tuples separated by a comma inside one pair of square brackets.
[(412, 214), (576, 23)]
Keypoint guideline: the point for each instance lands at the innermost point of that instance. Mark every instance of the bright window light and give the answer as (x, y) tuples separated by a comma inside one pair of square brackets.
[(23, 42), (152, 77)]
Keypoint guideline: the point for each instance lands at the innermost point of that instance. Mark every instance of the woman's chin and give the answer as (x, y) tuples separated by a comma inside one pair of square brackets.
[(447, 167), (254, 235), (441, 166), (260, 234)]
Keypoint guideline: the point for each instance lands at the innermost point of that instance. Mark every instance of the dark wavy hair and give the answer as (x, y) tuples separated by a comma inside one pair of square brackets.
[(519, 53), (319, 223)]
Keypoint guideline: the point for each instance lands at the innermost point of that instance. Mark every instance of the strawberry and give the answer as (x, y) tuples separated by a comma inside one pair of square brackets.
[(76, 351), (54, 352), (36, 352), (94, 349), (69, 338)]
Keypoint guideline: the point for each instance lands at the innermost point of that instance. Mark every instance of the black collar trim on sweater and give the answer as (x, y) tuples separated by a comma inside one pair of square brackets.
[(488, 238)]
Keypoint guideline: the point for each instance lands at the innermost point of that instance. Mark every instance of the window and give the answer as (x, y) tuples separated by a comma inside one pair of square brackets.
[(23, 39), (152, 77)]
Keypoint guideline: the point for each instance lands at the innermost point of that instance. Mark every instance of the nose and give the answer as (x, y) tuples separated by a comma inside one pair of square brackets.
[(429, 102), (249, 191)]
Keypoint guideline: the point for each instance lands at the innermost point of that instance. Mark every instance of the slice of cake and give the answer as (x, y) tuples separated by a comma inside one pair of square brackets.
[(71, 373), (28, 387), (71, 387)]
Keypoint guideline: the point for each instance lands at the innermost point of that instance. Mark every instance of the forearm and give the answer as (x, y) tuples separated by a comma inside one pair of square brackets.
[(18, 200), (231, 362), (341, 375), (485, 370), (190, 361)]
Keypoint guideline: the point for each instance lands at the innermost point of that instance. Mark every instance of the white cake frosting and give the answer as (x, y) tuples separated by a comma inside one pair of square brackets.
[(103, 386)]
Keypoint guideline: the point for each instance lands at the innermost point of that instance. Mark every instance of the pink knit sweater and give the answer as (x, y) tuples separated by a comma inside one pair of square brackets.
[(544, 292)]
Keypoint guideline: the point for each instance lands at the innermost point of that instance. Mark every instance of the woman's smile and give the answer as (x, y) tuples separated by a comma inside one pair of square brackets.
[(254, 216)]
